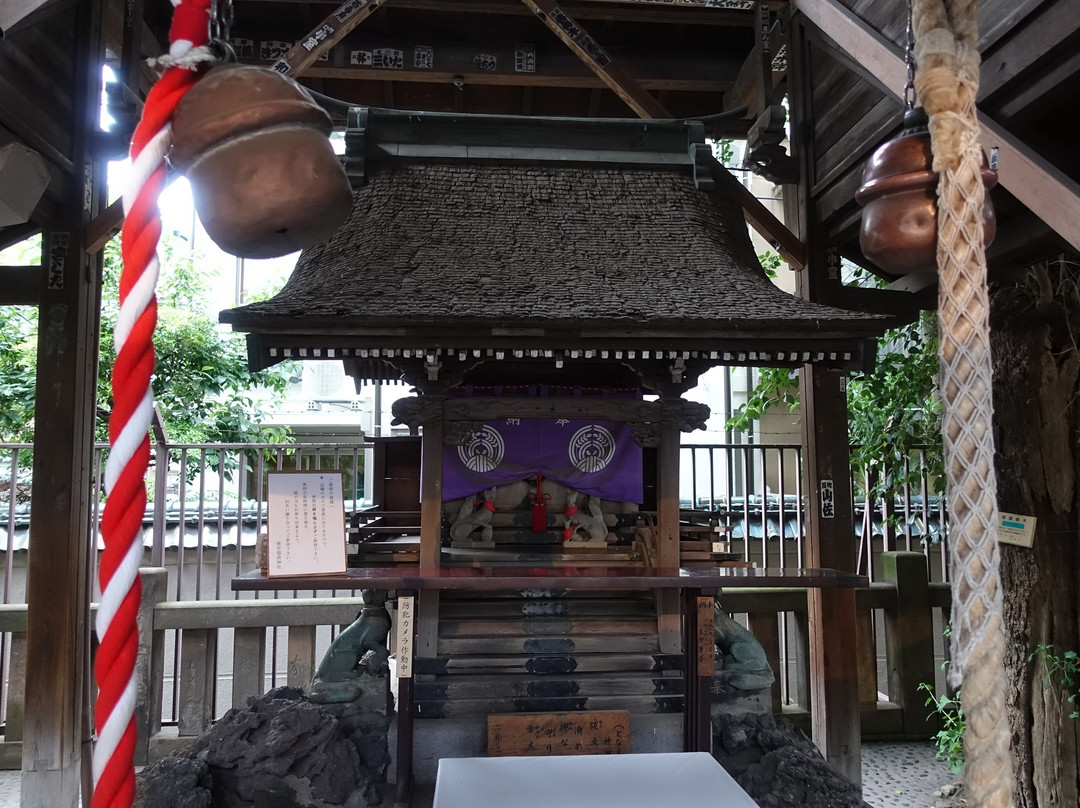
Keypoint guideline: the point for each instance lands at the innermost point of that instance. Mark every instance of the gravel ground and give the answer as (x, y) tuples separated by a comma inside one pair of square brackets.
[(895, 775)]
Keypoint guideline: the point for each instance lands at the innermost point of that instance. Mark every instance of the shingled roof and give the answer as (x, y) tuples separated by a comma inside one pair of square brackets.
[(469, 252)]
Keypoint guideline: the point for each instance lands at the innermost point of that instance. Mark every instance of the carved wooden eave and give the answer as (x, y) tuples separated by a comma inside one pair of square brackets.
[(494, 248)]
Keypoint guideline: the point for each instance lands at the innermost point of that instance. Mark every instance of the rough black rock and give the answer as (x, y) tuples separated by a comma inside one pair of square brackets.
[(280, 751), (174, 782), (777, 765)]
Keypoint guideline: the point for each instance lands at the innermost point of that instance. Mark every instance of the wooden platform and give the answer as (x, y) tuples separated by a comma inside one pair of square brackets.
[(480, 578)]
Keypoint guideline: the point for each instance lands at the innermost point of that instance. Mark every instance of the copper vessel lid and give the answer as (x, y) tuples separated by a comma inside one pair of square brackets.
[(235, 99)]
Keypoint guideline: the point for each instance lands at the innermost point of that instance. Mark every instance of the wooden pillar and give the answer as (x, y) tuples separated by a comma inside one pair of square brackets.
[(667, 523), (834, 675), (834, 679), (56, 732), (150, 666), (431, 486), (909, 637), (431, 448)]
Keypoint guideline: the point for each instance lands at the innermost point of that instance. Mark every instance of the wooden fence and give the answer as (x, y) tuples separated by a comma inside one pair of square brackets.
[(899, 648)]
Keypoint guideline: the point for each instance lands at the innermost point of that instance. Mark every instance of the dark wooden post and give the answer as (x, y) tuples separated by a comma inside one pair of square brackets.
[(150, 666), (667, 521), (431, 485), (909, 637), (56, 736), (834, 677)]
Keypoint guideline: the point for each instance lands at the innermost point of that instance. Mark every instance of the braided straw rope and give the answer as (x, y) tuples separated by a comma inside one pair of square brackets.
[(947, 80), (129, 455)]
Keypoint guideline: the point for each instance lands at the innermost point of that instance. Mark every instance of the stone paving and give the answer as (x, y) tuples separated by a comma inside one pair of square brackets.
[(903, 775), (895, 775)]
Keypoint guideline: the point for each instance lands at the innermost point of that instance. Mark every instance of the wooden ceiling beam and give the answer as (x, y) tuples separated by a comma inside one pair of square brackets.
[(613, 74), (1040, 85), (659, 12), (626, 87), (15, 13), (518, 64), (508, 77), (337, 25), (1041, 187), (1047, 27)]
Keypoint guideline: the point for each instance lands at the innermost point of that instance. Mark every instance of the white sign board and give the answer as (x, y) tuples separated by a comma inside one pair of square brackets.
[(1016, 529), (305, 522)]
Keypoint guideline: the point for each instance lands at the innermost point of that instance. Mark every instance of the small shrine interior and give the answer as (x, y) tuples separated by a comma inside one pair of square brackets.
[(571, 345)]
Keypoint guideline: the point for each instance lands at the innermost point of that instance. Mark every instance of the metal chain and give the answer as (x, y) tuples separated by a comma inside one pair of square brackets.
[(909, 59), (221, 19)]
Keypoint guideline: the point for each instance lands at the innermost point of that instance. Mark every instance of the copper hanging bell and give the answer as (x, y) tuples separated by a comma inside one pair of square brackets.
[(255, 146), (899, 199)]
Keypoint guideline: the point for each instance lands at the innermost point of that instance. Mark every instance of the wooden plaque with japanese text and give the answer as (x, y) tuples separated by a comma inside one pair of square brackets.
[(578, 733)]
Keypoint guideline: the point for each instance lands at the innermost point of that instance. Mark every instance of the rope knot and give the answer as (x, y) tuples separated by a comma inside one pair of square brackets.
[(190, 59)]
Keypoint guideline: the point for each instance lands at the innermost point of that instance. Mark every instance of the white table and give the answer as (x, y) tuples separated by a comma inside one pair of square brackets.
[(676, 779)]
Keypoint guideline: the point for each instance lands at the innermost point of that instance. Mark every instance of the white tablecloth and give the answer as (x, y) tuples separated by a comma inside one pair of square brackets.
[(666, 780)]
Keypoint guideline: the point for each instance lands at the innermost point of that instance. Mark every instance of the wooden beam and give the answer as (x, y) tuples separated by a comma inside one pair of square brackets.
[(1045, 190), (1005, 18), (775, 5), (332, 30), (830, 539), (103, 227), (755, 81), (19, 286), (56, 730), (770, 228), (12, 12), (597, 59), (18, 232), (627, 88), (522, 64), (1039, 85), (29, 122), (1049, 25), (657, 11)]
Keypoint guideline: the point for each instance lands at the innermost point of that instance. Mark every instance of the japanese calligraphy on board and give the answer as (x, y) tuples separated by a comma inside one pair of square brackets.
[(305, 523), (578, 733)]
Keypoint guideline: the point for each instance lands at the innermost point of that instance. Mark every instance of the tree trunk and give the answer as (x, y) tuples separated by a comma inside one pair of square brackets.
[(1036, 430)]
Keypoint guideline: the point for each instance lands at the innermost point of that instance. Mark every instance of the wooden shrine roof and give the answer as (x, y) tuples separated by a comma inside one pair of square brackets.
[(460, 245), (643, 249)]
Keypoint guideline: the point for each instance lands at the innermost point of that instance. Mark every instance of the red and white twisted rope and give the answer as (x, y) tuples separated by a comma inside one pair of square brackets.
[(129, 455)]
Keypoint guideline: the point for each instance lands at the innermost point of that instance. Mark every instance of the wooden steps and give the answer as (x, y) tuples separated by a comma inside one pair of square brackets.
[(548, 606), (468, 686), (547, 651), (560, 555), (561, 645), (546, 663), (452, 707), (545, 625)]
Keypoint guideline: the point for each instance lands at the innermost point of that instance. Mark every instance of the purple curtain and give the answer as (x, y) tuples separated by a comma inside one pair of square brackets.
[(598, 458)]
